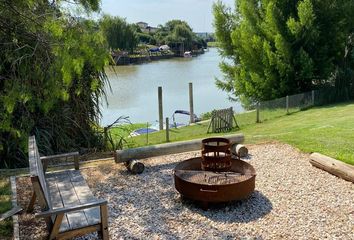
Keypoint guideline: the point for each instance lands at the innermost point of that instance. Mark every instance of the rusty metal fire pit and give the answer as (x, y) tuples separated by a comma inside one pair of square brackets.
[(212, 187)]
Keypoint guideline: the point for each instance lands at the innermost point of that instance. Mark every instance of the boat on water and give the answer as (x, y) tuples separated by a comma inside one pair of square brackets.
[(174, 124), (187, 54), (141, 131), (183, 112)]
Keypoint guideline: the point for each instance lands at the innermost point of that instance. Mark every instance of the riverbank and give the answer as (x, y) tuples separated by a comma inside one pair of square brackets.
[(127, 59)]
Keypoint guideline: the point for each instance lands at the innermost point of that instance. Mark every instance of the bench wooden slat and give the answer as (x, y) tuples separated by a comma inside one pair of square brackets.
[(85, 196), (70, 199), (57, 202), (36, 168)]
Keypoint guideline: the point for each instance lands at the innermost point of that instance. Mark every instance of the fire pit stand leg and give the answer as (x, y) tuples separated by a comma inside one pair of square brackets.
[(204, 205)]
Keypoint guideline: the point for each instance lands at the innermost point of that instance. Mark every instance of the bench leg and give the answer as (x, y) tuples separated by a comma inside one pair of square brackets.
[(104, 222), (76, 162), (56, 226), (31, 203)]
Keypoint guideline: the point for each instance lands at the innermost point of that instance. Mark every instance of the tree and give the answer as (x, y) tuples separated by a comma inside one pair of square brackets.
[(119, 34), (51, 79), (275, 48), (177, 32)]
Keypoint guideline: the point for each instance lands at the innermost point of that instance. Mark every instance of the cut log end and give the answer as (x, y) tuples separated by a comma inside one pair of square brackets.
[(135, 167), (240, 150)]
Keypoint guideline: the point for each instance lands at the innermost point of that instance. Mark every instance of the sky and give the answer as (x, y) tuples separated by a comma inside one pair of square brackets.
[(197, 13)]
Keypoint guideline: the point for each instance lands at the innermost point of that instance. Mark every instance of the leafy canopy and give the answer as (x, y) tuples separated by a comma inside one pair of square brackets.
[(275, 48), (51, 78), (119, 34)]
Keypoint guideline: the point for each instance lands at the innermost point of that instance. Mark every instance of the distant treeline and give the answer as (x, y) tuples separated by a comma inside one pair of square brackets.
[(124, 36)]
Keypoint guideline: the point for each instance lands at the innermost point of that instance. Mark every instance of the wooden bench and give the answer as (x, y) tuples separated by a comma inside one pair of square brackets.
[(67, 203)]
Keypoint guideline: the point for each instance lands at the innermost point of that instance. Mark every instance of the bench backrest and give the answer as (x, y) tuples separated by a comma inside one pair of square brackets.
[(37, 171)]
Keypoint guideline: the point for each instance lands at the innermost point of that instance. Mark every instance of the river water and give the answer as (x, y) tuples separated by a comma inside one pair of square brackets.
[(134, 88)]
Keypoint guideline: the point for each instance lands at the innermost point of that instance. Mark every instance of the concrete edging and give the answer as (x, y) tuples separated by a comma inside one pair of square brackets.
[(168, 148), (16, 227)]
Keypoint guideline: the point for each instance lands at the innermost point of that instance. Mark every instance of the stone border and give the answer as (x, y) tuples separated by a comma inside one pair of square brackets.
[(16, 233)]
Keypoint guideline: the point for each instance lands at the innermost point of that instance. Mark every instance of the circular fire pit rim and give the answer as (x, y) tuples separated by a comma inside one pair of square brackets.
[(213, 193)]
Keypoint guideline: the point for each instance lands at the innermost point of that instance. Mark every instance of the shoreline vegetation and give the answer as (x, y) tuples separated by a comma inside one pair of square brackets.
[(212, 44), (124, 58), (134, 43)]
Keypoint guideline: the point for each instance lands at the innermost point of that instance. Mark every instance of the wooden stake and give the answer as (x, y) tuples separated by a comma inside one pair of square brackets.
[(191, 108), (160, 108), (167, 130)]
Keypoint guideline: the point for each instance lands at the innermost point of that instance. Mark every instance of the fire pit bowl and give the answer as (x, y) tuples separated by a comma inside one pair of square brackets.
[(211, 187)]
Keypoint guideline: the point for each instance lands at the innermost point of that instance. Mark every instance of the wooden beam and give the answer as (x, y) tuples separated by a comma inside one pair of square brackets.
[(167, 148), (71, 209), (10, 213), (104, 222), (79, 232), (64, 155), (333, 166), (31, 203), (55, 229)]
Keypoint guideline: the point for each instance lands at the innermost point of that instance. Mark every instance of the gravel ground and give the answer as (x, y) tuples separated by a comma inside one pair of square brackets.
[(292, 200)]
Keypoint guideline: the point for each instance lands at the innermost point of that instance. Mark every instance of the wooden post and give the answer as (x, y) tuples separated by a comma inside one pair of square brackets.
[(167, 130), (287, 104), (160, 108), (147, 133), (313, 97), (191, 108), (76, 162), (31, 203), (257, 107), (104, 222)]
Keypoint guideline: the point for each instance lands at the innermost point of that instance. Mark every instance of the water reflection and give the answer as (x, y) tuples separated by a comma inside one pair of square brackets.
[(134, 88)]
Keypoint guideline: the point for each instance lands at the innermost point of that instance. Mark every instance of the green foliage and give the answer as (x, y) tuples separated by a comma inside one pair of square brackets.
[(120, 34), (276, 48), (146, 38), (205, 116), (178, 32), (51, 79)]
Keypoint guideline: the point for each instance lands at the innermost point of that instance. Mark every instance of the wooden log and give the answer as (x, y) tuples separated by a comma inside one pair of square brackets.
[(10, 213), (135, 167), (167, 148), (240, 150), (333, 166)]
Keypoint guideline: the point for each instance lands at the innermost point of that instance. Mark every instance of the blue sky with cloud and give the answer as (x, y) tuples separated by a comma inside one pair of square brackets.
[(198, 13)]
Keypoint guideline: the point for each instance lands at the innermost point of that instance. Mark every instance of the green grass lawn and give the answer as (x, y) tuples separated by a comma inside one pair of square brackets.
[(5, 205), (328, 130), (125, 130)]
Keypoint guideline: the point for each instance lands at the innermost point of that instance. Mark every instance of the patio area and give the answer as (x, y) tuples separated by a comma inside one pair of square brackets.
[(292, 200)]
